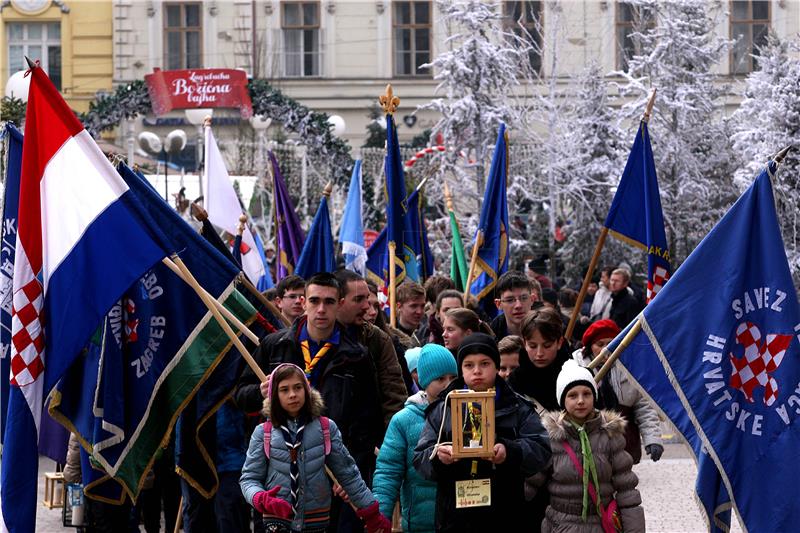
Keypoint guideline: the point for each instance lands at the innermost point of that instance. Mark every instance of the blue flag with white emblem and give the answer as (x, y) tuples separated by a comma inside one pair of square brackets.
[(318, 253), (719, 353)]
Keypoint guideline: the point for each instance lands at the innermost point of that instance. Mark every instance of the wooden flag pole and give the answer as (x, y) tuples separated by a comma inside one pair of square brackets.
[(648, 110), (472, 262), (635, 329), (392, 285), (207, 300), (221, 308), (587, 278)]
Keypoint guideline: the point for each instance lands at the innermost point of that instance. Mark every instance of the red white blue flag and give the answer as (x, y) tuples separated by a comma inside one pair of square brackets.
[(81, 242)]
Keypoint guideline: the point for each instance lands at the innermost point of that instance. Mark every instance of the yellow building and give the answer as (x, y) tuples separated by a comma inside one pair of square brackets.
[(71, 39)]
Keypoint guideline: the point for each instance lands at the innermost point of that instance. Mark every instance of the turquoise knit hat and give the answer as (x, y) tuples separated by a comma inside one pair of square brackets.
[(412, 358), (434, 362)]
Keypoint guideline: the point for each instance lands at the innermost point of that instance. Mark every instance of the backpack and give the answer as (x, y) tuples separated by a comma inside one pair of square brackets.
[(324, 423)]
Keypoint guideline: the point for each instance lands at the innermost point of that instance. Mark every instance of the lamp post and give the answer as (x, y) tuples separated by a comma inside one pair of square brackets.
[(173, 144), (197, 117), (260, 124), (17, 87)]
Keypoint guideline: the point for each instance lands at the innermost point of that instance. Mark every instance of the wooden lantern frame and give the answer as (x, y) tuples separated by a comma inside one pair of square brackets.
[(458, 399)]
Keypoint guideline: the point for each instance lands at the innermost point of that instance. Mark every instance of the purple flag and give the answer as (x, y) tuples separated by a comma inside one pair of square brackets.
[(289, 235)]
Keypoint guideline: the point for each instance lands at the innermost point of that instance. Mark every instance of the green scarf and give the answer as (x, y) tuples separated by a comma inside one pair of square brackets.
[(588, 466)]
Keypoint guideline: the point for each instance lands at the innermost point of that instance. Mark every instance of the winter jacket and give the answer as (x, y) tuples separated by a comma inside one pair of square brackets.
[(624, 307), (601, 304), (395, 474), (629, 395), (347, 382), (518, 428), (606, 432), (72, 468), (392, 388), (314, 496)]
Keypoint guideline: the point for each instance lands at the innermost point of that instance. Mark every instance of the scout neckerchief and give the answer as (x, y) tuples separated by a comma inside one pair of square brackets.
[(313, 352), (293, 440)]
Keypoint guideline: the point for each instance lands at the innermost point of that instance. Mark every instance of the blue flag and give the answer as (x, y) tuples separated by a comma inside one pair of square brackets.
[(718, 352), (397, 223), (635, 215), (377, 259), (351, 232), (416, 236), (9, 242), (492, 234), (318, 253), (265, 281), (155, 349)]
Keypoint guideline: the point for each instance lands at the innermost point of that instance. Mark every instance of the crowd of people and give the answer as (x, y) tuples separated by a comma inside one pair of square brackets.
[(352, 429)]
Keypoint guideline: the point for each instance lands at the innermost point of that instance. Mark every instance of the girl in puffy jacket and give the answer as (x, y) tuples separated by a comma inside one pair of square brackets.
[(591, 483), (284, 474)]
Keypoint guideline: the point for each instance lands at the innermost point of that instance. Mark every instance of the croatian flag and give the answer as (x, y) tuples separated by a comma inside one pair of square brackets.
[(81, 242)]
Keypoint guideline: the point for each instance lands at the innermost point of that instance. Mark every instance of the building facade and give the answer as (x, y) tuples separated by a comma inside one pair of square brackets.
[(71, 40)]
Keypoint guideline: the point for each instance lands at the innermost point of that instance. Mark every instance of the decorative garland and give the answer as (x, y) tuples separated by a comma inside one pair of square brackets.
[(130, 100)]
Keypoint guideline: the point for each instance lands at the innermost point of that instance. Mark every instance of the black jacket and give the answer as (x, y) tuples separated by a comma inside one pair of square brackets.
[(539, 383), (518, 428), (624, 308), (347, 383)]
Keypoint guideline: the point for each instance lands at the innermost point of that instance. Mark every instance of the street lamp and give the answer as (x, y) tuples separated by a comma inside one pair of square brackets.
[(173, 144), (196, 117), (337, 124)]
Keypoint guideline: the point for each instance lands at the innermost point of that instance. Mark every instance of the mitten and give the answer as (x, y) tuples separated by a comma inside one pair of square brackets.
[(374, 520), (654, 451), (266, 502)]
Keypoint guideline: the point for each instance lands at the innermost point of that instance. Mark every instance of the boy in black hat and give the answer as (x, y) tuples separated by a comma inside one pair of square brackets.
[(521, 447)]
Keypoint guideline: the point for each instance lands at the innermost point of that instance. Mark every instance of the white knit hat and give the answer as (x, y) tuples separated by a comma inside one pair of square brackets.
[(573, 374)]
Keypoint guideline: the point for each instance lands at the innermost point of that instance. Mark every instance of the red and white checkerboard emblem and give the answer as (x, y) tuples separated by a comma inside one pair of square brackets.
[(660, 277), (27, 334), (761, 358), (131, 322)]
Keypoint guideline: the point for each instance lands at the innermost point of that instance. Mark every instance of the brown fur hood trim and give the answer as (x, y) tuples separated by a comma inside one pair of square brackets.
[(558, 427), (317, 404)]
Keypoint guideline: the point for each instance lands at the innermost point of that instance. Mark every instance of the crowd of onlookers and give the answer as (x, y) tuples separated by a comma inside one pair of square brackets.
[(352, 428)]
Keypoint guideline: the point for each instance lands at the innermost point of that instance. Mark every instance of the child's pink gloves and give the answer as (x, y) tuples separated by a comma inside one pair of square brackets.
[(266, 502), (374, 520)]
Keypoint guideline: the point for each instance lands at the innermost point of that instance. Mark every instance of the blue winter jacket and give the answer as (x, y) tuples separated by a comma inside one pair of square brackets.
[(395, 473), (314, 497)]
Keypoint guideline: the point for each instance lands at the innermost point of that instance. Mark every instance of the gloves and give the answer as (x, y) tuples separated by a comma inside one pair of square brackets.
[(374, 520), (654, 451), (265, 502)]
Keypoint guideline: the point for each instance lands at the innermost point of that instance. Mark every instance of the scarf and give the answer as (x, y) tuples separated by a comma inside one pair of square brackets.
[(293, 440), (588, 467)]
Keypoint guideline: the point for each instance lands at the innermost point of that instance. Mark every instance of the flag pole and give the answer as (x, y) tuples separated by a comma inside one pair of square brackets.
[(392, 285), (472, 262), (635, 329), (201, 215), (208, 301), (587, 278)]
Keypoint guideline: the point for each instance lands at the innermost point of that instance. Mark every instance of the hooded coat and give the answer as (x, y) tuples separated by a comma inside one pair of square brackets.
[(606, 432), (395, 473), (314, 497), (518, 428)]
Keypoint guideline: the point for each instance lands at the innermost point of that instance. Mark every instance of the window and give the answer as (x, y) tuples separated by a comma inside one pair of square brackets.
[(39, 41), (412, 37), (183, 33), (524, 19), (301, 37), (630, 19), (749, 28)]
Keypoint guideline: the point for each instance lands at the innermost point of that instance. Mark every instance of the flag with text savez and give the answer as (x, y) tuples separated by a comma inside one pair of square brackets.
[(719, 353)]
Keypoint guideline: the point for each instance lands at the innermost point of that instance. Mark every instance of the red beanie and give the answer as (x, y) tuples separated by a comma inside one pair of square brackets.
[(602, 329)]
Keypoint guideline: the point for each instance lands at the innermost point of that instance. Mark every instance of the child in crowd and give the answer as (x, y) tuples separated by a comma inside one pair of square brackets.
[(412, 360), (521, 448), (460, 322), (284, 474), (509, 348), (644, 426), (395, 474), (592, 487)]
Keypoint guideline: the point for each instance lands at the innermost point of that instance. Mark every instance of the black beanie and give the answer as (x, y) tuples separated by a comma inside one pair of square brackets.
[(478, 343)]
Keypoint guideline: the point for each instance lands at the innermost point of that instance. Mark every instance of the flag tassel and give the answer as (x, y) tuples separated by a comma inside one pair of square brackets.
[(587, 278), (208, 301), (221, 308)]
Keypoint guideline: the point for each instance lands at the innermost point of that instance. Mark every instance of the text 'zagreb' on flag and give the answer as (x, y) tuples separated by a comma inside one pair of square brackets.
[(718, 351), (635, 215), (81, 243)]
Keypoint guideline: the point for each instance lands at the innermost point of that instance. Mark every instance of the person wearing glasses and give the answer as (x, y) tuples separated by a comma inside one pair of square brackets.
[(514, 299), (290, 296)]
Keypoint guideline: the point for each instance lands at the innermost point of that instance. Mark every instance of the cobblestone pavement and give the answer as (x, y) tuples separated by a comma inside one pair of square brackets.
[(666, 488)]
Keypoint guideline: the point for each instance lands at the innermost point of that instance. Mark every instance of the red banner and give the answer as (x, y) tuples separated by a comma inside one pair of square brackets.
[(198, 88)]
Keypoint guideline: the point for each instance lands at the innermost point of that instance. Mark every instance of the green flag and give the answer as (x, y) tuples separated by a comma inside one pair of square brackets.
[(458, 261)]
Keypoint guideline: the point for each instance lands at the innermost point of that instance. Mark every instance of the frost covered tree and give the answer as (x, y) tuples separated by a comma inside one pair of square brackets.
[(690, 139), (477, 75), (767, 120)]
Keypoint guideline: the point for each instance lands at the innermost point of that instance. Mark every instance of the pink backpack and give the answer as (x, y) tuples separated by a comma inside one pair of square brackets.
[(324, 423)]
